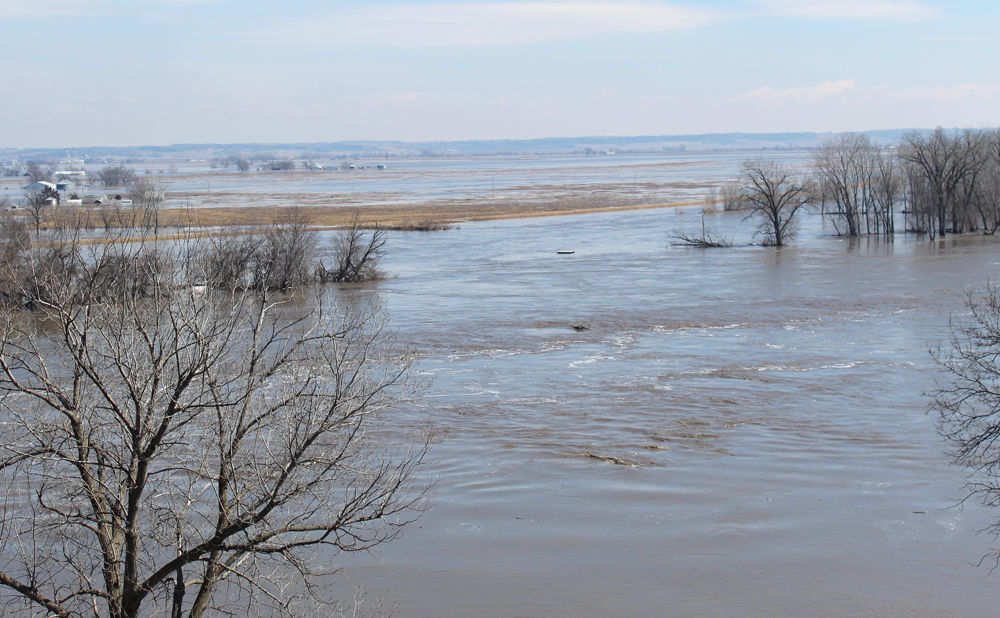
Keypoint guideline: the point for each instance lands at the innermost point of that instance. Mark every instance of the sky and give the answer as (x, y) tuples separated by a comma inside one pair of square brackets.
[(159, 72)]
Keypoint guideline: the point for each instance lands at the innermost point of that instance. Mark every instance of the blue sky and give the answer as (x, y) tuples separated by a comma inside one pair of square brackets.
[(130, 72)]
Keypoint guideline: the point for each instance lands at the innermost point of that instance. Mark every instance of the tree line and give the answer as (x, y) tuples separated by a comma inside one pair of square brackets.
[(278, 256), (943, 182)]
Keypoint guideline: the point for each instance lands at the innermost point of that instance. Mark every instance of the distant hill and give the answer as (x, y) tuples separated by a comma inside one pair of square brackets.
[(373, 148)]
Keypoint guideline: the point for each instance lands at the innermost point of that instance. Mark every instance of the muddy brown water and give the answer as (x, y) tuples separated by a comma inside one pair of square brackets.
[(739, 431)]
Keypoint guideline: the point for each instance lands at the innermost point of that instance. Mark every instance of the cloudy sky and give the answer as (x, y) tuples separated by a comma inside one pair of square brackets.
[(131, 72)]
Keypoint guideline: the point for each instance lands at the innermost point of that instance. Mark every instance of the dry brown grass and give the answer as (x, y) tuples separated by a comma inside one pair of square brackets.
[(207, 221), (404, 216)]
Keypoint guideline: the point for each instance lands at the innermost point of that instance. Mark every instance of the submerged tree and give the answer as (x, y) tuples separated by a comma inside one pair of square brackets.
[(774, 196), (842, 167), (356, 254), (168, 449), (282, 258), (287, 255), (863, 182), (939, 165)]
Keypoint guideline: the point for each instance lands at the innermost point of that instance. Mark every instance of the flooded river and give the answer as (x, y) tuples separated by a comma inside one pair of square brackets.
[(739, 431)]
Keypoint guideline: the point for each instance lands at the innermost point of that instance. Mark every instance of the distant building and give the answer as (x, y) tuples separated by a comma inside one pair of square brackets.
[(40, 185), (70, 173), (65, 185)]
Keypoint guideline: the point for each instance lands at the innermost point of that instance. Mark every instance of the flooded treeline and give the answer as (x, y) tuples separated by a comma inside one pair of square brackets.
[(942, 182), (136, 258)]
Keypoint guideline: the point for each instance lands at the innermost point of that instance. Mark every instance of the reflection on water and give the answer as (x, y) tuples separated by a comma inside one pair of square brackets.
[(736, 431)]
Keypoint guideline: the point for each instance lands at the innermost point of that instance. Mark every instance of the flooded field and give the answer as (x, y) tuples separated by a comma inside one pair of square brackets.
[(623, 178), (490, 182), (739, 431)]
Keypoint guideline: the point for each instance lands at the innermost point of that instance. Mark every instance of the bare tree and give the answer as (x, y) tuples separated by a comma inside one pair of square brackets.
[(940, 163), (283, 259), (984, 196), (148, 196), (968, 403), (15, 241), (731, 195), (175, 451), (356, 254), (885, 190), (287, 256), (775, 195), (842, 164), (36, 172), (116, 175), (227, 261), (38, 203), (862, 180)]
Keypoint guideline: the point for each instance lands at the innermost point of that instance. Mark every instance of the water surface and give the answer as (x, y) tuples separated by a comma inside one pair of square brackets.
[(737, 431)]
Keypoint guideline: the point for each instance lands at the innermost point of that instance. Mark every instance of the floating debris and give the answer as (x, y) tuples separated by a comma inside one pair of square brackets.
[(618, 461)]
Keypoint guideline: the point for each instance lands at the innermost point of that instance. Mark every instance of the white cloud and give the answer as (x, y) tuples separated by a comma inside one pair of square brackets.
[(895, 10), (802, 94), (454, 24)]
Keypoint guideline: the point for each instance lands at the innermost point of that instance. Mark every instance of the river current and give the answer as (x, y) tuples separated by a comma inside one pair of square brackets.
[(736, 431)]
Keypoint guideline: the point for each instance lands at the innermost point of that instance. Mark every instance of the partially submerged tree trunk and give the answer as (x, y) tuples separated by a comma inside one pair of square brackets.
[(775, 197)]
